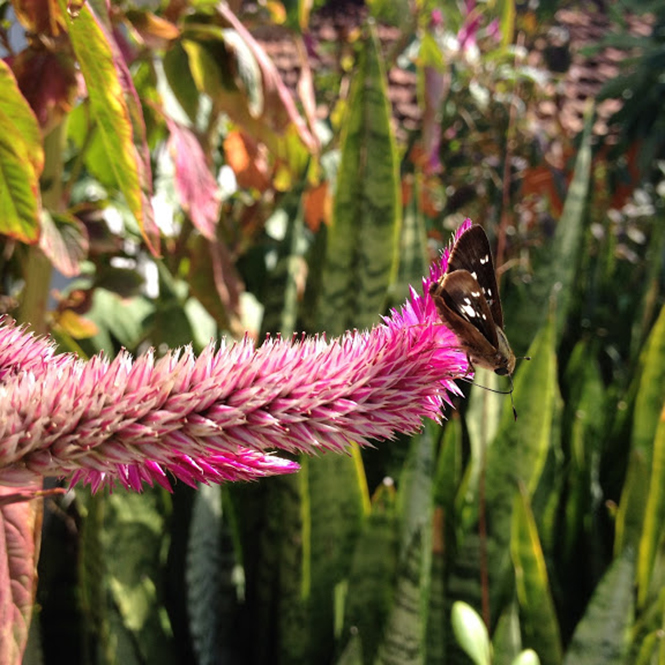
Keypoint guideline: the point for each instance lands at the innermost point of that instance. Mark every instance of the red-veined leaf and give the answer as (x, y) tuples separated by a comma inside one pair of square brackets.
[(195, 185), (64, 240), (20, 528)]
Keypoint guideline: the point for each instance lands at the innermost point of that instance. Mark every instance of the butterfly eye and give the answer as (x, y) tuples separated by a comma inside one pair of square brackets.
[(501, 371)]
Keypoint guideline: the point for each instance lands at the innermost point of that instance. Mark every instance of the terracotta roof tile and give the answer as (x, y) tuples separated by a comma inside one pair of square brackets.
[(573, 30)]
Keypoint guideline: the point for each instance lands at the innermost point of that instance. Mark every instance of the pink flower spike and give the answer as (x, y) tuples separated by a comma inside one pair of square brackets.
[(221, 416)]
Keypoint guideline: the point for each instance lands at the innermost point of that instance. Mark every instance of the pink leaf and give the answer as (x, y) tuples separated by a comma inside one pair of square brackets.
[(196, 187), (20, 528)]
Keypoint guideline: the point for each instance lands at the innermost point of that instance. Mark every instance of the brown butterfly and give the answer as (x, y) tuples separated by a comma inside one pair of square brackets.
[(467, 298)]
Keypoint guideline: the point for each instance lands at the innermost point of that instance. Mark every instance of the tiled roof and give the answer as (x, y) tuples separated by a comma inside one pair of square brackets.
[(576, 76)]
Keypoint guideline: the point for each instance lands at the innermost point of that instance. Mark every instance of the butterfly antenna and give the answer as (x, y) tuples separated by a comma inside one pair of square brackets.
[(512, 401), (504, 392)]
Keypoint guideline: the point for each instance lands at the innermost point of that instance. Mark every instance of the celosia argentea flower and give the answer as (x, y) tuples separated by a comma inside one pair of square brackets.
[(220, 416)]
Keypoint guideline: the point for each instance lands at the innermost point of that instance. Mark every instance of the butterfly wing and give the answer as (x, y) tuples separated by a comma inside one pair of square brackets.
[(462, 305), (472, 253)]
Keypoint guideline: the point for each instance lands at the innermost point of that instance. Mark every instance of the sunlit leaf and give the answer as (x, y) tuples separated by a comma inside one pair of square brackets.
[(471, 633), (40, 16), (114, 106), (537, 611), (21, 162), (654, 517)]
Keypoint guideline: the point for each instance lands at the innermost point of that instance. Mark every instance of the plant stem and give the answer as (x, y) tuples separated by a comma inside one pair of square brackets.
[(37, 268)]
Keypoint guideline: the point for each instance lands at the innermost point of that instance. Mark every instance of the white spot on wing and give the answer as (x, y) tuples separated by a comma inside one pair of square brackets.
[(473, 274), (469, 311), (484, 260)]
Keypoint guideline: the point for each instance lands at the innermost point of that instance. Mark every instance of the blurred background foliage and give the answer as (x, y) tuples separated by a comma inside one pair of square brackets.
[(172, 172)]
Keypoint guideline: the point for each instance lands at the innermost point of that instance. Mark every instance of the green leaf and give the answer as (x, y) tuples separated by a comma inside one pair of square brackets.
[(18, 115), (540, 628), (361, 254), (353, 652), (21, 162), (415, 485), (403, 642), (507, 636), (413, 257), (371, 578), (446, 483), (405, 630), (508, 15), (527, 657), (602, 636), (654, 518), (132, 540), (586, 396), (209, 571), (118, 318), (520, 449), (115, 108), (181, 82), (648, 406), (337, 502), (471, 633), (275, 542)]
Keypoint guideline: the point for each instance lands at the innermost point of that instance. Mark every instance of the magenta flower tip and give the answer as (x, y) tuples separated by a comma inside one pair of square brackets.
[(221, 416)]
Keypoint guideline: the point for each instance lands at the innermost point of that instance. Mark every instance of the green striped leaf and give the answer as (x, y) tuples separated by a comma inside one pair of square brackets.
[(205, 573), (337, 503), (540, 628), (413, 256), (372, 575), (601, 637), (648, 406), (405, 631), (21, 162), (654, 518), (519, 451), (361, 253), (403, 636), (133, 541), (585, 398), (446, 483)]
